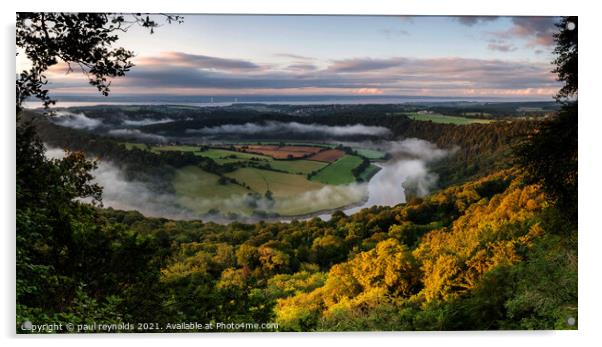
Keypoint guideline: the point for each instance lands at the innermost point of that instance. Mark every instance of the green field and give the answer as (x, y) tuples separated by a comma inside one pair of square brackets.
[(200, 191), (293, 194), (280, 184), (224, 156), (439, 118), (338, 172), (302, 167), (192, 181), (176, 148), (371, 154)]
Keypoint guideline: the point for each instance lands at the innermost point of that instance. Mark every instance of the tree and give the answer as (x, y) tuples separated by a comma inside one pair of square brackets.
[(84, 40), (66, 252), (566, 56), (549, 153)]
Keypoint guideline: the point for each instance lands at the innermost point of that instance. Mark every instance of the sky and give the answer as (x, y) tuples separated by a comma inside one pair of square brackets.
[(213, 55)]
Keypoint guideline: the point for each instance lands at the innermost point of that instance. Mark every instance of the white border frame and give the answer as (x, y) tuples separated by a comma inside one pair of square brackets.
[(589, 167)]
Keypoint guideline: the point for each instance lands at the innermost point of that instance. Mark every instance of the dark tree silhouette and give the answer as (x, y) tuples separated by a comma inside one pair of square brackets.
[(70, 265), (549, 155), (82, 40), (566, 56)]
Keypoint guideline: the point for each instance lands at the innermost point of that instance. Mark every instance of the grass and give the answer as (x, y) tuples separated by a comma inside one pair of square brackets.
[(280, 184), (193, 181), (371, 154), (302, 167), (177, 148), (200, 191), (338, 172), (439, 118), (224, 156)]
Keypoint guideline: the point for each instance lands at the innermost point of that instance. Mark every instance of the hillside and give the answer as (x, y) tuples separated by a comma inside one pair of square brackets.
[(489, 254)]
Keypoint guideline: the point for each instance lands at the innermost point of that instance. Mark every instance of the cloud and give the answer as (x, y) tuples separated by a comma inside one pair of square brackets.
[(199, 61), (135, 133), (76, 120), (446, 76), (538, 31), (501, 46), (292, 127), (472, 20), (293, 56), (302, 67), (364, 64), (368, 91)]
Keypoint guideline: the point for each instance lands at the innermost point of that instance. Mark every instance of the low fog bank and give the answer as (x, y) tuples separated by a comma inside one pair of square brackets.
[(122, 194), (137, 134), (407, 170), (81, 121), (76, 120), (273, 127)]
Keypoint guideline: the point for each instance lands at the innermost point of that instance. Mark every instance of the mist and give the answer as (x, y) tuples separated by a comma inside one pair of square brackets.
[(146, 121), (408, 169), (76, 120), (120, 193), (137, 134), (292, 127)]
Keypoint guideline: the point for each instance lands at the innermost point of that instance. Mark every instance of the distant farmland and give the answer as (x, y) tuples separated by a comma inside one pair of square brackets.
[(287, 171), (371, 154), (439, 118), (328, 156), (280, 152), (297, 166)]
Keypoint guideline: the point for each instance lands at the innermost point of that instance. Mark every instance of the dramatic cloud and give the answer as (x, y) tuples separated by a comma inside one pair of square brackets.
[(76, 120), (393, 76), (200, 62), (541, 28), (472, 20), (137, 134), (292, 127), (538, 31), (302, 67), (364, 64), (368, 91)]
